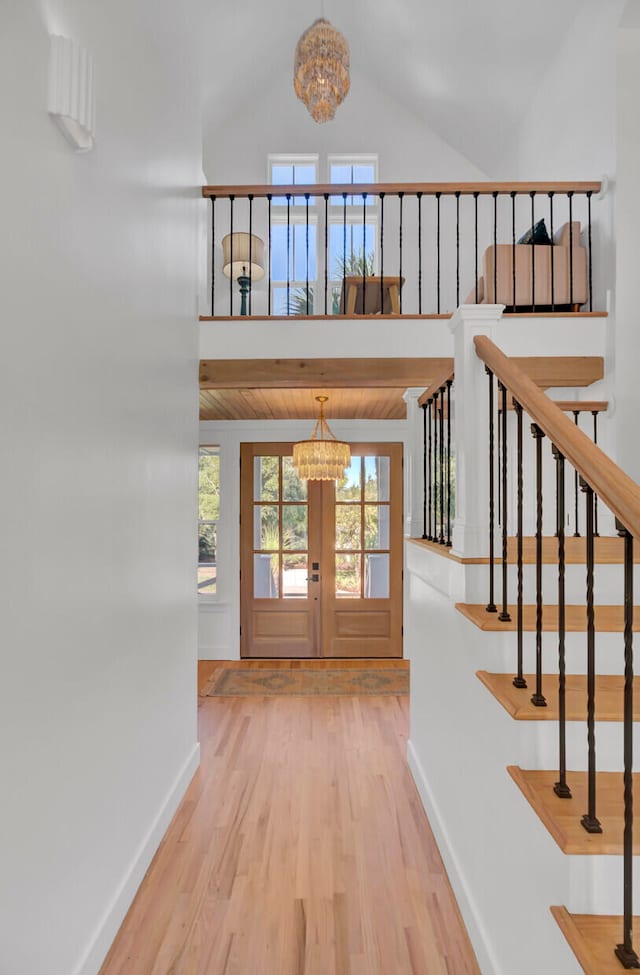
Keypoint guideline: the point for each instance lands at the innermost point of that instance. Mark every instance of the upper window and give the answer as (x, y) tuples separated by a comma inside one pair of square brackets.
[(208, 516), (294, 237)]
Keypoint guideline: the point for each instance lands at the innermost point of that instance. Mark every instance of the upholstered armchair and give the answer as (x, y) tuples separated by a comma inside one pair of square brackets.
[(559, 272)]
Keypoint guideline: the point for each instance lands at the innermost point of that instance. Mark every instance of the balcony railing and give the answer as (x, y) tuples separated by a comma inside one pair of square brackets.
[(402, 249)]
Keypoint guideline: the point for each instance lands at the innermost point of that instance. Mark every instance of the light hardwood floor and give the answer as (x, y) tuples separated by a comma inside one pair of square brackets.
[(301, 848)]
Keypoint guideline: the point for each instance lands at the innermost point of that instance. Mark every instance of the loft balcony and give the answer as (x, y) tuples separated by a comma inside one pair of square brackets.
[(406, 251)]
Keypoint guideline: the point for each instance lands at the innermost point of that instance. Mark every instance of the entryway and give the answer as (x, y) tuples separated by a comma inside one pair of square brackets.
[(321, 562)]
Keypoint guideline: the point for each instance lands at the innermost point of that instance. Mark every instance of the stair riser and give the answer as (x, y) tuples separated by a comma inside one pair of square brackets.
[(608, 584), (538, 745), (595, 886), (499, 652)]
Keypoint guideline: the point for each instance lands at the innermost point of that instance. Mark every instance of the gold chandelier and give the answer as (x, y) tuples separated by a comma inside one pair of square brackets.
[(322, 458), (321, 70)]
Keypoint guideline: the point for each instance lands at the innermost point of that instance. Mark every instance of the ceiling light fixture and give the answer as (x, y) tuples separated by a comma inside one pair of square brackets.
[(322, 458), (321, 70)]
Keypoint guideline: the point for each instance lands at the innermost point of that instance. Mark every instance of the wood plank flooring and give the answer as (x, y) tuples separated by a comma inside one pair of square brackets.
[(562, 816), (517, 701), (301, 848)]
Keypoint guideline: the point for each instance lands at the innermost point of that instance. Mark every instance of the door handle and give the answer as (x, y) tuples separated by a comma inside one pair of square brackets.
[(313, 578)]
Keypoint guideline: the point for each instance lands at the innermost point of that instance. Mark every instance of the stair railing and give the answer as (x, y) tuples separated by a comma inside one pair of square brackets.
[(438, 460), (599, 477)]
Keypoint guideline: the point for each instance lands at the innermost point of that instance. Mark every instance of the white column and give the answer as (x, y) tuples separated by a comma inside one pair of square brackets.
[(470, 429), (413, 464)]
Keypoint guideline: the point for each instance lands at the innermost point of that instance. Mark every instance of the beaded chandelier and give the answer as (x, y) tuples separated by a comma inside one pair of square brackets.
[(322, 458), (321, 70)]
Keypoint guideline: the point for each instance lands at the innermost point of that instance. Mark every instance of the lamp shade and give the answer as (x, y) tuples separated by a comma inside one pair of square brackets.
[(240, 252), (322, 458)]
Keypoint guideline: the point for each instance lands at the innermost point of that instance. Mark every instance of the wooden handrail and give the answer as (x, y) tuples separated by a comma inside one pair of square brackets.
[(436, 385), (374, 189), (615, 488)]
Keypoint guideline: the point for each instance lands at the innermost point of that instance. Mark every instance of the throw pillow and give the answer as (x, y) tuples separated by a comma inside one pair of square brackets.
[(536, 235)]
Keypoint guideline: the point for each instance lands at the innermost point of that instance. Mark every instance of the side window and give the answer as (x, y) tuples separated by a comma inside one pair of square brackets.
[(294, 237), (208, 515)]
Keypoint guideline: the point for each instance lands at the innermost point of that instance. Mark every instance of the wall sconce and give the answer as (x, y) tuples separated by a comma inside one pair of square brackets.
[(71, 92), (243, 260)]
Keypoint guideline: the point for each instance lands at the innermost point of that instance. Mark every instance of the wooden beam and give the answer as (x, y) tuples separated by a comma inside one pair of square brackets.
[(561, 370), (308, 373)]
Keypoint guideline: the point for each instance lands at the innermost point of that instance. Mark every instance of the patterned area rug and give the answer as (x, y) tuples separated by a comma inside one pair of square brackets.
[(235, 682)]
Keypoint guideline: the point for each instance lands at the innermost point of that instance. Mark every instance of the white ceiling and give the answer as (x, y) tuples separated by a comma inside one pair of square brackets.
[(467, 69)]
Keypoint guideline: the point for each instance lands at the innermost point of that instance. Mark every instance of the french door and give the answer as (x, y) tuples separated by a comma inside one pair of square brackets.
[(321, 561)]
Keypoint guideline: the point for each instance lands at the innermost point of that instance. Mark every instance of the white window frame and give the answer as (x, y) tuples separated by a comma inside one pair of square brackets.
[(297, 216), (210, 596), (336, 214)]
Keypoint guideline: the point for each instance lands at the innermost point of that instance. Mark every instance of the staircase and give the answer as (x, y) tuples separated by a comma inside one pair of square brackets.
[(538, 892)]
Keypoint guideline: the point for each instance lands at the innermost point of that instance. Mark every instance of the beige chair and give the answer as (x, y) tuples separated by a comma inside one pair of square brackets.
[(541, 257)]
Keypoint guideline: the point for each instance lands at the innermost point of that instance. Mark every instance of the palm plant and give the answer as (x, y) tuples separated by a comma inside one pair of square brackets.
[(301, 300)]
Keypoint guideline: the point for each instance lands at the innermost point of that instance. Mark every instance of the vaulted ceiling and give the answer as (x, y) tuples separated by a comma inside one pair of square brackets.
[(466, 69)]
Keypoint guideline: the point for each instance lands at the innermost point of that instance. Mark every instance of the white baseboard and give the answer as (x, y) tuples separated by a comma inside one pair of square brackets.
[(466, 901), (108, 927)]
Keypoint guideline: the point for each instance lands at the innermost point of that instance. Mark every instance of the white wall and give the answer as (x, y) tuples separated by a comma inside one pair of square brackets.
[(98, 399), (219, 615)]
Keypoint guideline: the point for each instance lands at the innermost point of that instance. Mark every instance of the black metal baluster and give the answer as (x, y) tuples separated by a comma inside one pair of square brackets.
[(326, 250), (553, 259), (364, 251), (570, 195), (250, 248), (538, 698), (288, 253), (475, 238), (419, 197), (457, 196), (441, 538), (504, 616), (499, 458), (576, 533), (401, 198), (491, 605), (306, 247), (231, 199), (424, 471), (438, 250), (213, 258), (430, 535), (625, 951), (382, 252), (513, 247), (436, 487), (495, 247), (589, 243), (595, 496), (269, 198), (561, 788), (590, 821), (533, 252), (449, 384), (519, 680), (344, 253)]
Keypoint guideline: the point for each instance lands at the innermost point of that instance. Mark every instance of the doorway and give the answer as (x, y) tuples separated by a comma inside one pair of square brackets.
[(321, 561)]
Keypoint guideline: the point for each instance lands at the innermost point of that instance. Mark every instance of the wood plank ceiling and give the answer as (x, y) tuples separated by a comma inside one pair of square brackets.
[(285, 389)]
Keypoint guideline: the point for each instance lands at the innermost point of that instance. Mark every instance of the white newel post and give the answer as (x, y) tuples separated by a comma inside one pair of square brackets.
[(470, 430), (413, 465)]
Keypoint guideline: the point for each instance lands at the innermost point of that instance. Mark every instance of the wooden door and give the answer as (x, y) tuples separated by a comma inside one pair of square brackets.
[(362, 556), (279, 543), (321, 563)]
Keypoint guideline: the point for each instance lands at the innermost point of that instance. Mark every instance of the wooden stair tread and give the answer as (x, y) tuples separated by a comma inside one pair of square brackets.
[(608, 550), (608, 619), (517, 701), (561, 817), (592, 938)]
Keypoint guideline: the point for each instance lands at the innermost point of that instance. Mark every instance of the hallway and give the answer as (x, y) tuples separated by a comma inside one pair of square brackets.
[(300, 847)]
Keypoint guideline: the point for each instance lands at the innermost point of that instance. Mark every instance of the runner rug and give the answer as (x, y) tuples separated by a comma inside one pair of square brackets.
[(235, 682)]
